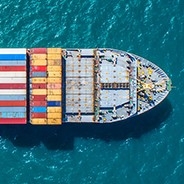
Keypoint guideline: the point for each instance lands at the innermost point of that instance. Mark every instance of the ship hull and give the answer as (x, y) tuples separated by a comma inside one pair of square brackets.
[(51, 86)]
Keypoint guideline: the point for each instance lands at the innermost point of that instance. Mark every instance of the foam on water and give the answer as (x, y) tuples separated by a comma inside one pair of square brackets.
[(149, 150)]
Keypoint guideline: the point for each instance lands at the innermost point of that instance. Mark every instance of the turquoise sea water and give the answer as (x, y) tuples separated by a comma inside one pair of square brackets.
[(147, 149)]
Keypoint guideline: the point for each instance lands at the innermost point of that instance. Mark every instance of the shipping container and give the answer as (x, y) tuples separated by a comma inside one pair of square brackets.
[(54, 109), (54, 121), (38, 103), (38, 91), (38, 86), (12, 103), (54, 68), (13, 120), (54, 56), (54, 62), (12, 68), (12, 62), (12, 109), (38, 51), (54, 86), (13, 97), (38, 97), (12, 91), (54, 97), (38, 115), (38, 121), (12, 51), (12, 57), (38, 109), (54, 50), (54, 92), (13, 115), (54, 115), (38, 74), (54, 74), (38, 56), (38, 68), (37, 80), (13, 80), (12, 74), (53, 80), (38, 62), (53, 103), (12, 86)]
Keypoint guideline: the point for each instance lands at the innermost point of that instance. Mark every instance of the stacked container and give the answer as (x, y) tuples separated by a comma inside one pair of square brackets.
[(38, 86), (45, 84), (54, 86), (13, 93)]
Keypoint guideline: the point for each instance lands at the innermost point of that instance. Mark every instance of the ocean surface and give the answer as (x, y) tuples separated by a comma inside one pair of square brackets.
[(144, 150)]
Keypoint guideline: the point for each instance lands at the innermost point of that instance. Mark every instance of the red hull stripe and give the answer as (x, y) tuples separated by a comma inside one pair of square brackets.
[(12, 103), (12, 68), (12, 86), (13, 120)]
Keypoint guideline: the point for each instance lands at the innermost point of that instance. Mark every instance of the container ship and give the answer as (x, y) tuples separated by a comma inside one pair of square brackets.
[(51, 86)]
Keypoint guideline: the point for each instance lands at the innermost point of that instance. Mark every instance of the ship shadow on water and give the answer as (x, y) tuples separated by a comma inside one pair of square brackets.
[(63, 137)]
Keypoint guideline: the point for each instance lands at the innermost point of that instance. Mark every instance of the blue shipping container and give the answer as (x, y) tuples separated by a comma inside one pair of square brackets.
[(53, 103), (39, 109), (12, 109), (12, 114), (39, 74), (13, 63), (12, 56), (12, 97)]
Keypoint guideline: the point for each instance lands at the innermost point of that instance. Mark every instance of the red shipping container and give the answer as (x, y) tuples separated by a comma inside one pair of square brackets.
[(13, 120), (39, 97), (12, 86), (12, 68), (39, 86), (13, 103), (38, 51), (39, 68), (38, 115), (38, 103)]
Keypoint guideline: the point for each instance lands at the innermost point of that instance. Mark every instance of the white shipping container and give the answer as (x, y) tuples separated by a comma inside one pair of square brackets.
[(12, 74), (13, 51), (12, 91), (13, 80)]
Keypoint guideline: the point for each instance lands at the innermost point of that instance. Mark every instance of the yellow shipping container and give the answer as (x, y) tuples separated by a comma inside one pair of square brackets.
[(54, 50), (54, 115), (54, 62), (54, 56), (54, 91), (53, 80), (38, 80), (54, 74), (54, 109), (54, 121), (39, 121), (38, 56), (54, 97), (39, 62), (39, 91), (54, 68)]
